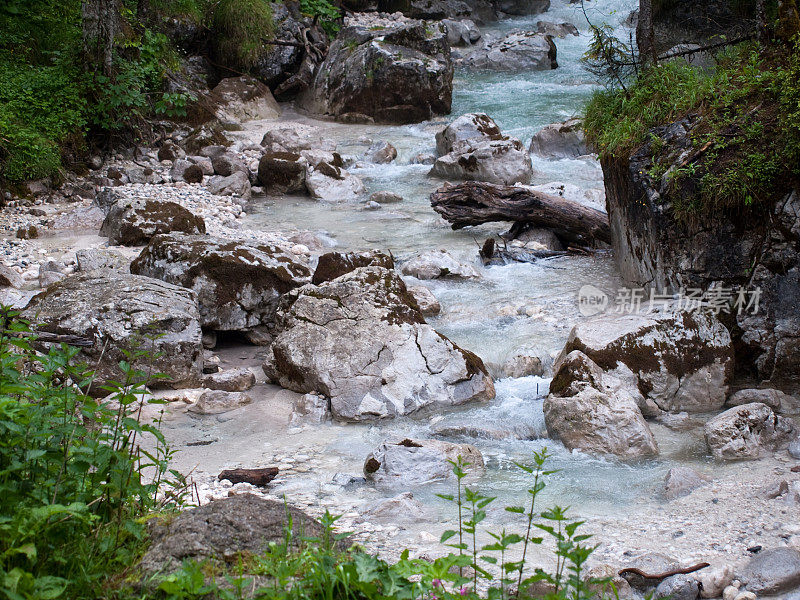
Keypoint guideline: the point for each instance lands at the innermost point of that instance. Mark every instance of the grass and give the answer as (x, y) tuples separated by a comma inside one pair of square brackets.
[(746, 146), (239, 28)]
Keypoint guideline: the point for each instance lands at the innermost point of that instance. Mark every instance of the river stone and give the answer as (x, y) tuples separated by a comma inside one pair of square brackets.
[(239, 379), (214, 402), (237, 184), (381, 153), (90, 259), (748, 431), (227, 164), (402, 509), (311, 409), (538, 239), (471, 126), (502, 161), (682, 481), (677, 587), (772, 571), (559, 30), (436, 264), (714, 579), (361, 341), (384, 68), (238, 283), (282, 172), (385, 197), (777, 400), (336, 264), (651, 563), (517, 52), (244, 98), (333, 184), (117, 311), (222, 530), (461, 32), (523, 364), (10, 278), (682, 360), (560, 140), (294, 138), (415, 462), (134, 222), (427, 302)]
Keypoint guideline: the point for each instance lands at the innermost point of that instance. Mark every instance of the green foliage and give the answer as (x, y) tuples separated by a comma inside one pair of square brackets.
[(746, 146), (240, 27), (327, 13), (72, 470)]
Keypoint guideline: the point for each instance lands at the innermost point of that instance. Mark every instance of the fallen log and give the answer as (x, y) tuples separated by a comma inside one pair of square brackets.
[(476, 202), (256, 477), (670, 573)]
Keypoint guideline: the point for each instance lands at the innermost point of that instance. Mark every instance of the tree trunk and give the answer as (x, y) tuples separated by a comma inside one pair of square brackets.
[(101, 23), (645, 36), (475, 202)]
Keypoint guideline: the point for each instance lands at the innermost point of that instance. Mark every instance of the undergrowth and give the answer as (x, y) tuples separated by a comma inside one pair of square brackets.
[(746, 145)]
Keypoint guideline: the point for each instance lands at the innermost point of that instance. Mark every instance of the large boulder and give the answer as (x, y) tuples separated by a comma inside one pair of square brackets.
[(462, 32), (135, 221), (335, 264), (385, 68), (472, 147), (560, 140), (436, 264), (682, 360), (361, 341), (426, 9), (590, 410), (238, 283), (414, 462), (472, 127), (118, 312), (295, 137), (517, 52), (224, 530), (777, 400), (325, 181), (772, 572), (243, 98), (522, 7), (282, 172), (748, 431)]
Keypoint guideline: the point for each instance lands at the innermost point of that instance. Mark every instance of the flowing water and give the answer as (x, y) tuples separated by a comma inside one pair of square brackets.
[(510, 307)]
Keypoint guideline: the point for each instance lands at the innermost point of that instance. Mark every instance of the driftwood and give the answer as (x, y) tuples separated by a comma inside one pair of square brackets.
[(640, 573), (54, 338), (256, 477), (475, 202)]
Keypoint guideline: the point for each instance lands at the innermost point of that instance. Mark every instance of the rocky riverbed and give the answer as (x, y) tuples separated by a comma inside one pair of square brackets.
[(319, 317)]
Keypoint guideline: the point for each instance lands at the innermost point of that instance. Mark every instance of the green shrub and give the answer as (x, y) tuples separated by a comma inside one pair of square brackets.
[(239, 28), (327, 13)]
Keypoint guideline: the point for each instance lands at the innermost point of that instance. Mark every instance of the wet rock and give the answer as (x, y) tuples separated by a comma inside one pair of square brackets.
[(462, 32), (214, 402), (516, 52), (682, 481), (678, 587), (559, 30), (385, 198), (381, 153), (504, 161), (772, 572), (134, 222), (237, 184), (535, 238), (227, 164), (681, 360), (523, 364), (469, 127), (257, 477), (10, 278), (310, 409), (361, 341), (90, 259), (333, 184), (428, 304), (282, 172), (243, 98), (777, 400), (294, 138), (415, 462), (230, 380), (117, 311), (384, 68), (747, 432), (238, 283), (29, 232), (336, 264), (435, 264), (222, 530), (594, 198), (423, 158), (402, 509), (560, 140)]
